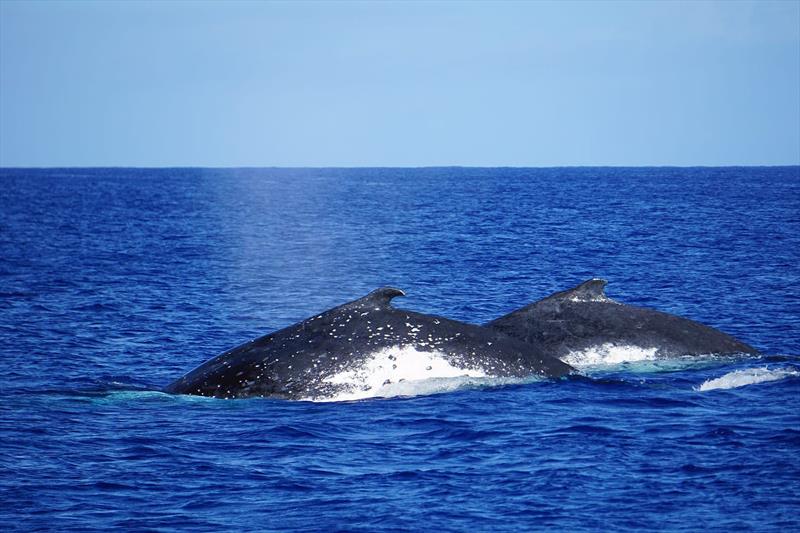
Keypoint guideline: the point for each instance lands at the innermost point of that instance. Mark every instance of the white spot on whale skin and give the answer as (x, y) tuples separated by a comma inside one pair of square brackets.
[(750, 376), (396, 364)]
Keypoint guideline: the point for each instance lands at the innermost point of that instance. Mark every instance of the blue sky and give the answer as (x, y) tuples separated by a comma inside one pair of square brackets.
[(399, 84)]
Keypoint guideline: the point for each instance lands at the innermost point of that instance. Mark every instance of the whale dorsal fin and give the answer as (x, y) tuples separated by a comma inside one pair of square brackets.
[(592, 290), (381, 297)]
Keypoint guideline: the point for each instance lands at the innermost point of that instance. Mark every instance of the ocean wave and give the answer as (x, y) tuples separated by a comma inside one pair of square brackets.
[(425, 387), (749, 376), (637, 361)]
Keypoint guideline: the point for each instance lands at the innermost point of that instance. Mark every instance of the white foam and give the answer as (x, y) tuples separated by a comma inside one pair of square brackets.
[(424, 387), (400, 371), (750, 376), (610, 354)]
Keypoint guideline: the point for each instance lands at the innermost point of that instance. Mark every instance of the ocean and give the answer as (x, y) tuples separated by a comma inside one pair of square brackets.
[(114, 282)]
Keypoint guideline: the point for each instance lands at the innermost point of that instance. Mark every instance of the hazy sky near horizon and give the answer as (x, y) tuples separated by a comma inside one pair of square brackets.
[(399, 84)]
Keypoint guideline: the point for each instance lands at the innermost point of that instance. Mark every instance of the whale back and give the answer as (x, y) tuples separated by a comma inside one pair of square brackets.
[(302, 360), (584, 318)]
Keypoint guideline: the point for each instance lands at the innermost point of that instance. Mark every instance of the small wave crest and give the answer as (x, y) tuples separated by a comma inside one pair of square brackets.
[(424, 387), (749, 376)]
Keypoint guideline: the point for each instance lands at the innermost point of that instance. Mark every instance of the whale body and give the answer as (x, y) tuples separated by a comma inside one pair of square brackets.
[(334, 353), (583, 319)]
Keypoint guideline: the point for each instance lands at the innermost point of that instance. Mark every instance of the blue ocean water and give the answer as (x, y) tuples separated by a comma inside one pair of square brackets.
[(114, 282)]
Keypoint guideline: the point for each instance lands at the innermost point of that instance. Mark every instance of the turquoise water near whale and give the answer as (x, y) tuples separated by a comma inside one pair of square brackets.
[(114, 282)]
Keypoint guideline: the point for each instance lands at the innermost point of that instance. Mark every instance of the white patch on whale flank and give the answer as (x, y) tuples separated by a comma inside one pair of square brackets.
[(609, 354), (387, 368)]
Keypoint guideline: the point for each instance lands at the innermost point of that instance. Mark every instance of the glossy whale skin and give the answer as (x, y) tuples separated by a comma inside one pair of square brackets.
[(300, 361), (584, 318)]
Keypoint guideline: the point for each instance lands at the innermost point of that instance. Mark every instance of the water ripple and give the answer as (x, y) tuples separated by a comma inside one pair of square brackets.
[(115, 281)]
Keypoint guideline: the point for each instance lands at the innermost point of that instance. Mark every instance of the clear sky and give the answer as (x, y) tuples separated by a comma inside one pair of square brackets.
[(399, 84)]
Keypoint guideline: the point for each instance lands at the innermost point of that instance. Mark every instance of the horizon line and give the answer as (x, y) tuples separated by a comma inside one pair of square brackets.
[(355, 167)]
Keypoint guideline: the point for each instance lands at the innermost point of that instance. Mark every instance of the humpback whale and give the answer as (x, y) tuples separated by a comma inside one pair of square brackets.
[(333, 353), (583, 319)]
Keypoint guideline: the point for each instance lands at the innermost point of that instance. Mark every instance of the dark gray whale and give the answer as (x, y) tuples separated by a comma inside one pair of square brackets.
[(344, 348), (584, 318)]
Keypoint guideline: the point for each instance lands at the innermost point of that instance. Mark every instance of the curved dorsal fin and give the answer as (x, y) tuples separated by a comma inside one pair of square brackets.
[(592, 290), (382, 296)]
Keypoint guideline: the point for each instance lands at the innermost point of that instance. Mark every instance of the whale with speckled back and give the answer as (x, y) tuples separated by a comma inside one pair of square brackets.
[(342, 351), (583, 320)]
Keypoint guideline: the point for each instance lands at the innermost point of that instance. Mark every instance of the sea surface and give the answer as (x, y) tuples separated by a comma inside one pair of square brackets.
[(114, 282)]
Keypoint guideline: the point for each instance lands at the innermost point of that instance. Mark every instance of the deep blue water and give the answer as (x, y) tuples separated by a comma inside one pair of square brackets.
[(113, 282)]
